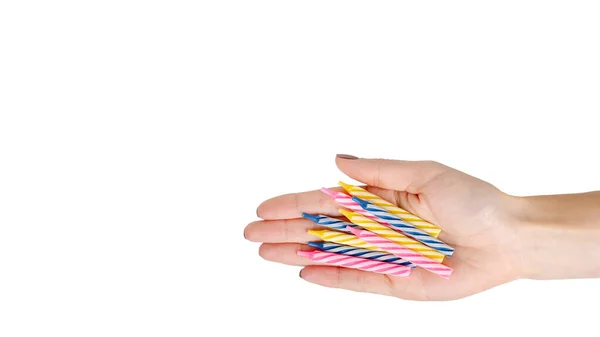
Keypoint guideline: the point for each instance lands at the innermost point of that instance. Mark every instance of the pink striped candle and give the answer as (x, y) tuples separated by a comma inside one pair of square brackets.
[(356, 263), (346, 201), (403, 252)]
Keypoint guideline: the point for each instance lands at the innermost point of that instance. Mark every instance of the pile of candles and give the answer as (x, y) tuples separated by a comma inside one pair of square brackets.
[(378, 237)]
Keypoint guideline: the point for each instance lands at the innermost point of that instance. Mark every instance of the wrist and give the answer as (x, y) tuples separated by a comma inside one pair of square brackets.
[(558, 237)]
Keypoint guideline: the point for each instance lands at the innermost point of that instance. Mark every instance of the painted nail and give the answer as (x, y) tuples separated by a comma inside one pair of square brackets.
[(346, 156), (300, 274)]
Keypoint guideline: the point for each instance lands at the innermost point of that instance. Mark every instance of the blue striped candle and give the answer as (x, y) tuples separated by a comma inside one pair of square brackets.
[(359, 252), (407, 228), (331, 223)]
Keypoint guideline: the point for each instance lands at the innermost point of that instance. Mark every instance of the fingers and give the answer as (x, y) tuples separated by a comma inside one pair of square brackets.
[(285, 230), (400, 175), (344, 278), (285, 253), (350, 279), (420, 285), (290, 206)]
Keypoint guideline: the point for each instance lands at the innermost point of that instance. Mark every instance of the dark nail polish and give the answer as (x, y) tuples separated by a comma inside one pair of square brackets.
[(346, 156)]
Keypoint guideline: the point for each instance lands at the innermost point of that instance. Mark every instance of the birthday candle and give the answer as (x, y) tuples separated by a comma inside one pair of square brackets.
[(346, 201), (356, 191), (357, 263), (403, 252), (407, 228), (331, 223), (341, 238), (392, 235), (362, 253), (353, 204)]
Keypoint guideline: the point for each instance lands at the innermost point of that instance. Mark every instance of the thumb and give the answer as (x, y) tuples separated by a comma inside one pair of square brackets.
[(399, 175)]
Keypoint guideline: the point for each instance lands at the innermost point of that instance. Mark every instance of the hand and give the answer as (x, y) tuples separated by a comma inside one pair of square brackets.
[(476, 218)]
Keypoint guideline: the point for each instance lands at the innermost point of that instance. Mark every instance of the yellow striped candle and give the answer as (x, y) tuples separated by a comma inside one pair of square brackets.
[(360, 192), (342, 238), (390, 234)]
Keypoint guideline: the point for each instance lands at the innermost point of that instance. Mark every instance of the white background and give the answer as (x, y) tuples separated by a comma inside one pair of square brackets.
[(138, 137)]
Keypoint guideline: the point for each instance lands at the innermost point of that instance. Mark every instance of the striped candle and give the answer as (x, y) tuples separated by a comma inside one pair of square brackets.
[(362, 253), (356, 191), (331, 223), (357, 263), (341, 238), (393, 235), (403, 252), (407, 228), (346, 201)]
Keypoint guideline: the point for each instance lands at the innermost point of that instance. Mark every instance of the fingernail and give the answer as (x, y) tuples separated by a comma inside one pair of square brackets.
[(245, 234), (258, 211), (300, 274), (346, 156)]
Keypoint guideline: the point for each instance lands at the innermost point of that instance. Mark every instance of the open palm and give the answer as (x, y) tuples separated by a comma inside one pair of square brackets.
[(475, 217)]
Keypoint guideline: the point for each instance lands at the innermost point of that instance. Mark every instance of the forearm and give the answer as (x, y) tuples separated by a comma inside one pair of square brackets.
[(559, 236)]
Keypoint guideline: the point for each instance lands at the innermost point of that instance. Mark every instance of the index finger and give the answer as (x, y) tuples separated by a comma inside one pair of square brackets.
[(290, 206)]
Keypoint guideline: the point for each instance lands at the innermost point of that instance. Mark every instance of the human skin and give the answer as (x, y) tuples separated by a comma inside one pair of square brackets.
[(498, 237)]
